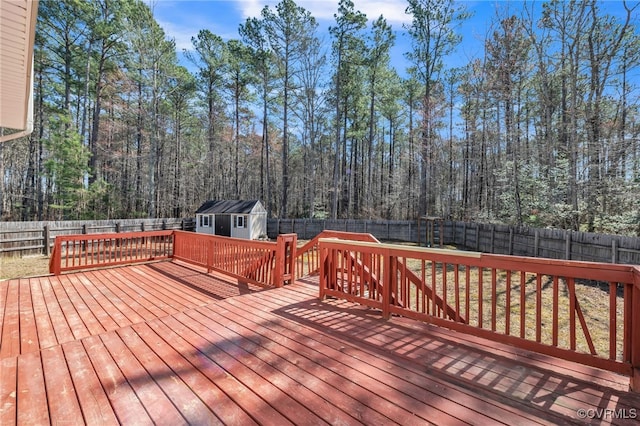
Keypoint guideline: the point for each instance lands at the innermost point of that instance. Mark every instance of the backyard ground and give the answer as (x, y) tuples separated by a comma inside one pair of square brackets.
[(23, 267)]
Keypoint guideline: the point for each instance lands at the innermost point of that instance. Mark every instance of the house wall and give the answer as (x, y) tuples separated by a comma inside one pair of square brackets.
[(240, 232), (258, 224), (205, 229)]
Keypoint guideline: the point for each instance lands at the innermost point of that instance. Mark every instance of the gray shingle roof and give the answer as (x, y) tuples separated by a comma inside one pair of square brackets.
[(227, 206)]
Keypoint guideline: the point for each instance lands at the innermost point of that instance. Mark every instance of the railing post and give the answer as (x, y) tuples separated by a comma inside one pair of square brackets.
[(387, 279), (285, 259), (56, 257), (324, 270), (634, 344)]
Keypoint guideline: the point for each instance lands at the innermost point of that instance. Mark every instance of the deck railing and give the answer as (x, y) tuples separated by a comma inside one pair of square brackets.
[(579, 311), (265, 263), (269, 264), (76, 252), (308, 256)]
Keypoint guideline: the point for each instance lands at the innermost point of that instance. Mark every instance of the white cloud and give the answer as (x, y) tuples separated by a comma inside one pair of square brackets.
[(180, 33), (181, 20), (392, 10)]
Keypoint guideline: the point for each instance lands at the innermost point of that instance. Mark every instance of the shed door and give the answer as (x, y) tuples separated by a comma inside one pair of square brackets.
[(223, 225)]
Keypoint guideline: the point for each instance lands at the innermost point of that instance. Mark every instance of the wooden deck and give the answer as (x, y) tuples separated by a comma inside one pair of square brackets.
[(167, 344)]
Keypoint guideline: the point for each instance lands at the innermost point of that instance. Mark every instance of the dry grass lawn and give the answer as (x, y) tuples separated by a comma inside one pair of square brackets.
[(22, 267)]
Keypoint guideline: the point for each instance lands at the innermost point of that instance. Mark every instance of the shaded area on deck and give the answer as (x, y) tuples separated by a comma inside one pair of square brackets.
[(169, 344)]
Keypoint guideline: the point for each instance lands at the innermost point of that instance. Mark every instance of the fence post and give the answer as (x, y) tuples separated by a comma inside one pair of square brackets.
[(46, 236), (464, 235), (614, 251), (454, 225), (493, 238), (510, 241), (536, 243), (567, 245), (117, 227)]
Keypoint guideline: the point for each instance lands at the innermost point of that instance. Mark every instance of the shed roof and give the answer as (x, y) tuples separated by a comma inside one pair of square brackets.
[(227, 206), (17, 32)]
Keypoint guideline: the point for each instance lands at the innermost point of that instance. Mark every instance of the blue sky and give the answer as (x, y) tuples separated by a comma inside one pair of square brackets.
[(182, 19)]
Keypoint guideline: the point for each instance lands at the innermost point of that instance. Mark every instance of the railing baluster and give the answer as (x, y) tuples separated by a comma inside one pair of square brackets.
[(494, 295), (507, 322), (556, 295), (456, 277), (523, 303), (480, 296), (444, 289), (538, 308), (434, 289), (626, 347), (467, 293), (572, 313), (425, 301), (613, 312)]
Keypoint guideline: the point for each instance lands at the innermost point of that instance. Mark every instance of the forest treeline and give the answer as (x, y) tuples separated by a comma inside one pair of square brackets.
[(542, 128)]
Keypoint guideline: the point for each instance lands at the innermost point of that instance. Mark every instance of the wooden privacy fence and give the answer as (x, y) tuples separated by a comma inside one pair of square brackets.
[(28, 238), (487, 238), (269, 264), (547, 306), (22, 238), (542, 242)]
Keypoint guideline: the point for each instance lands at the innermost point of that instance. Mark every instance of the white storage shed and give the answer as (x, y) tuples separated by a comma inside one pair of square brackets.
[(232, 218)]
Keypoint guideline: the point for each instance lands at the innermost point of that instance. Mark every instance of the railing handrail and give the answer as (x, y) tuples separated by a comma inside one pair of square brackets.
[(313, 245), (518, 268), (328, 233), (111, 249), (113, 235), (252, 243), (536, 264)]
